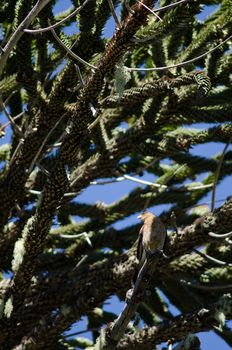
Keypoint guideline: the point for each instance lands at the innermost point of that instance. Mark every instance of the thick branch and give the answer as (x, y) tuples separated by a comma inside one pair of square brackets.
[(200, 320), (114, 276), (114, 332)]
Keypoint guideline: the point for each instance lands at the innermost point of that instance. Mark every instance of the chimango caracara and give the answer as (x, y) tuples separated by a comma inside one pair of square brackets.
[(152, 236)]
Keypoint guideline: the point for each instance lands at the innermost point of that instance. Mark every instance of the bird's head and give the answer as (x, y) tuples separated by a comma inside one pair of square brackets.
[(145, 216)]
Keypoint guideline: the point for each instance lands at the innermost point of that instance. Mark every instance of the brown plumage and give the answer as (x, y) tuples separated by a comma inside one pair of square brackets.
[(152, 236)]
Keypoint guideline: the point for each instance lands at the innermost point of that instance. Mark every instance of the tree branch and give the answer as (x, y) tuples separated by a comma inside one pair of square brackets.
[(200, 320), (53, 26), (113, 333), (115, 276), (6, 50), (181, 64)]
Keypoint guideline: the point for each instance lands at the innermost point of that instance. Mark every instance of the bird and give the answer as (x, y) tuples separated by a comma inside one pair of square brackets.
[(152, 237)]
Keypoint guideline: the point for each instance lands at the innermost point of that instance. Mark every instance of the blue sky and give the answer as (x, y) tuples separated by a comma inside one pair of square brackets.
[(115, 191)]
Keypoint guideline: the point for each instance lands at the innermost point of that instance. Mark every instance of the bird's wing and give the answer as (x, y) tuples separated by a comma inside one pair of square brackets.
[(140, 244), (159, 234)]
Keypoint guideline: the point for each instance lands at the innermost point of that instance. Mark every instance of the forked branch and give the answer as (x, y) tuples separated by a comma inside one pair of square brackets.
[(6, 50)]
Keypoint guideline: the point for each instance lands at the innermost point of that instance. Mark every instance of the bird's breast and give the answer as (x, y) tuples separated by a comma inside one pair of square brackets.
[(150, 244), (154, 236)]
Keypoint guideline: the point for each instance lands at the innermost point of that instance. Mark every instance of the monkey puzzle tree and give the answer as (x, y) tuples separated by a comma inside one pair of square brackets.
[(86, 110)]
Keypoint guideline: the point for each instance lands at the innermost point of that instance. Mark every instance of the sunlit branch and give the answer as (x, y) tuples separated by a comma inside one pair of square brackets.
[(3, 127), (15, 127), (151, 184), (211, 259), (55, 145), (191, 188), (150, 10), (228, 242), (118, 179), (21, 141), (44, 142), (38, 193), (179, 64), (83, 234), (225, 235), (53, 26), (144, 182), (72, 54), (6, 50), (170, 6), (111, 5), (43, 170), (164, 184), (94, 123)]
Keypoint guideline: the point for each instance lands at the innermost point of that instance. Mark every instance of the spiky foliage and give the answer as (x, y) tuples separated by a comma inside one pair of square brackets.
[(85, 126)]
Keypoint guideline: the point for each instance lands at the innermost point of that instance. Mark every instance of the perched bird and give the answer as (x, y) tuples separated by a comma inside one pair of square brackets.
[(152, 236)]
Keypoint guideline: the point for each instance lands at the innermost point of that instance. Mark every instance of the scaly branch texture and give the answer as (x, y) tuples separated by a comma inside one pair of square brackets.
[(86, 147)]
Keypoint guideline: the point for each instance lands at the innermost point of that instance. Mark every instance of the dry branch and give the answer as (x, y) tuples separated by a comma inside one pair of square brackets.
[(6, 50)]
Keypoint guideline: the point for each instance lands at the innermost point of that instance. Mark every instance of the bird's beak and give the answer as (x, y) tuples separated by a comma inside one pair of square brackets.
[(139, 217)]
